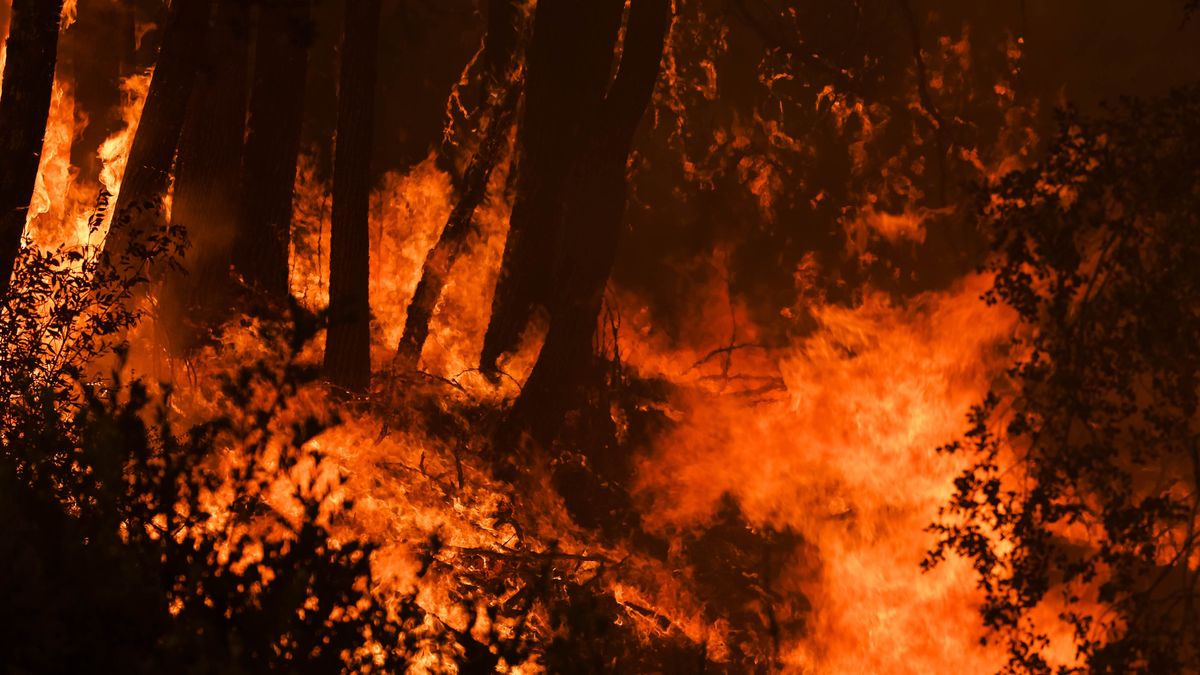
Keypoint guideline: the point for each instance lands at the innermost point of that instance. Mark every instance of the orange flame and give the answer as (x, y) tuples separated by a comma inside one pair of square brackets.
[(846, 460)]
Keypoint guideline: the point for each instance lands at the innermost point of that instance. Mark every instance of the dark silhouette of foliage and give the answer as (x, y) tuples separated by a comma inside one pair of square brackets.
[(1084, 489), (113, 559), (113, 556)]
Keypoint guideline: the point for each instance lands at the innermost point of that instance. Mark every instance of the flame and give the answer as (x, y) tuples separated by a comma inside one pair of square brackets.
[(845, 460), (54, 168), (893, 227), (4, 46), (114, 152), (70, 12), (59, 209), (829, 436), (408, 212)]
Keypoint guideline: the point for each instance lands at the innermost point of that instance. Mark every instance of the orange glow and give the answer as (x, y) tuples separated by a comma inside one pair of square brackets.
[(843, 458), (70, 12), (828, 433), (114, 152)]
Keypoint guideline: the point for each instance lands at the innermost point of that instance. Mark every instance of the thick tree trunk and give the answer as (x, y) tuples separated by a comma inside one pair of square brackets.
[(348, 342), (273, 144), (209, 164), (569, 62), (137, 215), (24, 107), (594, 207)]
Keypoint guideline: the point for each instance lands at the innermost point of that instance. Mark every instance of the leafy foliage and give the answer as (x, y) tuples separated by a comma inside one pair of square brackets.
[(70, 307), (144, 549), (1084, 492)]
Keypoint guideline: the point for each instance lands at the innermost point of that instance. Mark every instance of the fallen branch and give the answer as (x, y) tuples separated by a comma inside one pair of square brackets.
[(729, 349), (513, 555)]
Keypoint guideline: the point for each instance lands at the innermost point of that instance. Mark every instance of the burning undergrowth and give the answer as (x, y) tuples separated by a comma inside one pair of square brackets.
[(721, 456), (734, 507), (695, 516), (722, 503)]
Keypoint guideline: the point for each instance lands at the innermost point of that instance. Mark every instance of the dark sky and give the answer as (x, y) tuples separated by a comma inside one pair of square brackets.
[(1095, 49)]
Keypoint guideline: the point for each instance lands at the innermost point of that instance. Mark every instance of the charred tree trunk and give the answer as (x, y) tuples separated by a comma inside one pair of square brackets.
[(569, 62), (208, 167), (501, 87), (273, 144), (348, 343), (441, 258), (137, 214), (500, 43), (24, 107), (594, 208)]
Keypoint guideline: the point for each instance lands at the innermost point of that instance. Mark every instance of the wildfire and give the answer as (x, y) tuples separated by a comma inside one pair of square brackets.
[(825, 440), (840, 453)]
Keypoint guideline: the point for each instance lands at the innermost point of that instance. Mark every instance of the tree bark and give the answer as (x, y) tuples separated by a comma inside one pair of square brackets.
[(442, 256), (273, 145), (501, 40), (569, 62), (594, 208), (209, 164), (501, 88), (24, 107), (137, 214), (348, 341)]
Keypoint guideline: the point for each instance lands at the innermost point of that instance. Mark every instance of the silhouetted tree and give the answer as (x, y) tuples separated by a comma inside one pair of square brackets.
[(436, 269), (348, 343), (1084, 484), (587, 230), (24, 107), (208, 167), (502, 39), (137, 212), (568, 68), (273, 144), (501, 85)]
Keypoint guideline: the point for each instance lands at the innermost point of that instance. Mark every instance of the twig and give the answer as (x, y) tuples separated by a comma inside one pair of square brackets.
[(939, 124), (480, 371), (664, 624), (728, 349), (529, 556), (791, 44)]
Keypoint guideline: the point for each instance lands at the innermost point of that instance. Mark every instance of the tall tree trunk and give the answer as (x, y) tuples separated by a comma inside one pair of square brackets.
[(594, 209), (208, 167), (24, 107), (137, 214), (441, 258), (348, 342), (569, 62), (273, 144), (501, 86)]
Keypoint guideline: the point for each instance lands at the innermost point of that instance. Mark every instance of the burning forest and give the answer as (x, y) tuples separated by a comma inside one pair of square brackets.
[(635, 336)]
